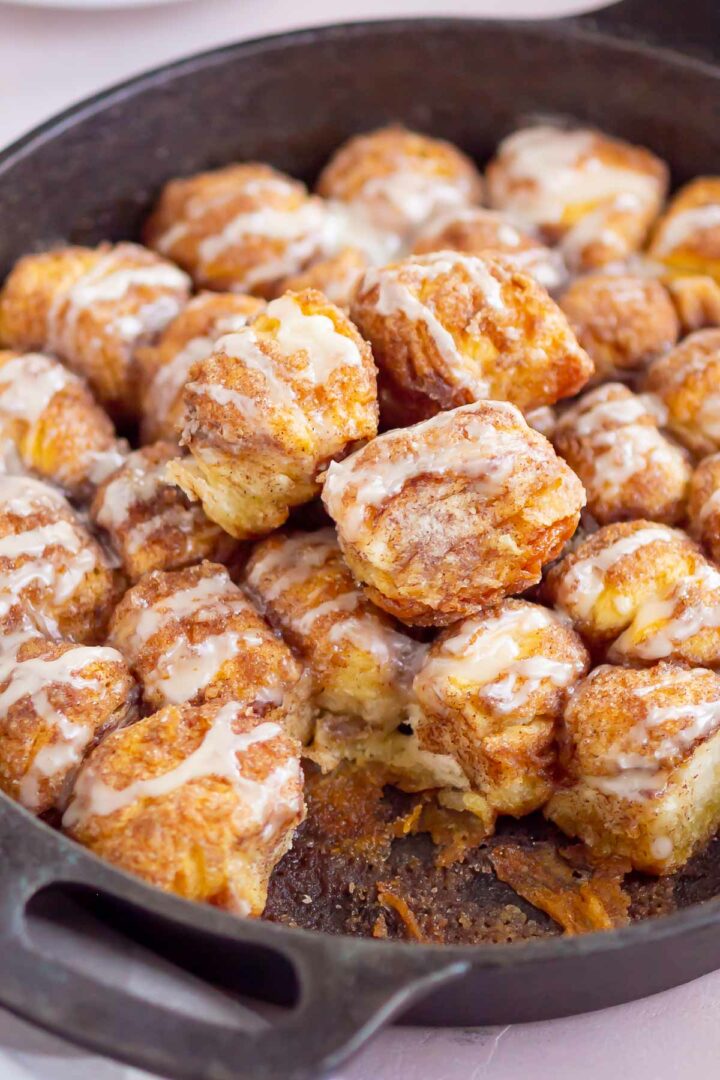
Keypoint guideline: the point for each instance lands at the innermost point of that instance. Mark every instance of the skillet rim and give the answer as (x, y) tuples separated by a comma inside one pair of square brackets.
[(588, 26)]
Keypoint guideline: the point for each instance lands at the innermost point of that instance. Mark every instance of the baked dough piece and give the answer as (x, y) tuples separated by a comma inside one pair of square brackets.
[(597, 195), (607, 579), (686, 238), (641, 752), (455, 328), (611, 439), (477, 231), (242, 228), (681, 624), (193, 636), (360, 663), (336, 277), (441, 519), (623, 321), (273, 405), (56, 699), (399, 179), (50, 565), (165, 367), (704, 505), (697, 301), (93, 307), (53, 424), (491, 692), (687, 382), (202, 802), (151, 523)]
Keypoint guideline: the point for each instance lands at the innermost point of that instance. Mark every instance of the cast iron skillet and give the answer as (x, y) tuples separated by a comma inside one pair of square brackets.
[(89, 175)]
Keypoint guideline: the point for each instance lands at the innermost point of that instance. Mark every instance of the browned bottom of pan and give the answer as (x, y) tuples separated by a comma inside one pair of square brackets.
[(355, 868)]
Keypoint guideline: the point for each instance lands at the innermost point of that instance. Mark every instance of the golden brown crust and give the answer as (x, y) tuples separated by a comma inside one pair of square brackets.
[(271, 407), (360, 663), (53, 423), (456, 328), (477, 231), (57, 699), (687, 381), (704, 505), (93, 307), (697, 301), (193, 636), (640, 752), (400, 178), (611, 439), (623, 321), (686, 238), (444, 518), (164, 368), (201, 802), (491, 691), (607, 579), (50, 565), (596, 194), (151, 523), (242, 228)]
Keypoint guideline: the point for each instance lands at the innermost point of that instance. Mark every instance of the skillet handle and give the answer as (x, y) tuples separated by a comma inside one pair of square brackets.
[(690, 26), (347, 993)]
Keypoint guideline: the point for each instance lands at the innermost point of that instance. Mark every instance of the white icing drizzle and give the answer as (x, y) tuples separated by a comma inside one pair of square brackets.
[(639, 762), (350, 226), (339, 604), (673, 630), (324, 346), (297, 557), (109, 281), (583, 583), (29, 382), (487, 455), (188, 666), (485, 653), (686, 225), (34, 678), (541, 171), (170, 379), (396, 285), (267, 804)]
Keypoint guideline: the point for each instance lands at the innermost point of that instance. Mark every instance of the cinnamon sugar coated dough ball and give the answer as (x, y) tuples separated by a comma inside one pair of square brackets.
[(611, 439), (336, 277), (165, 367), (491, 692), (151, 523), (687, 381), (399, 179), (477, 231), (242, 228), (50, 565), (51, 424), (682, 623), (456, 329), (697, 301), (93, 307), (193, 636), (704, 505), (441, 519), (641, 753), (612, 574), (623, 321), (56, 699), (687, 236), (360, 662), (594, 194), (273, 405), (202, 802)]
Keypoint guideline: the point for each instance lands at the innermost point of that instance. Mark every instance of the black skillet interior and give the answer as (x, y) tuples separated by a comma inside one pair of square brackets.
[(90, 175)]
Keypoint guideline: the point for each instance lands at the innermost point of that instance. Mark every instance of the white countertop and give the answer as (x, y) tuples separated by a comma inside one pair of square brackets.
[(50, 58)]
